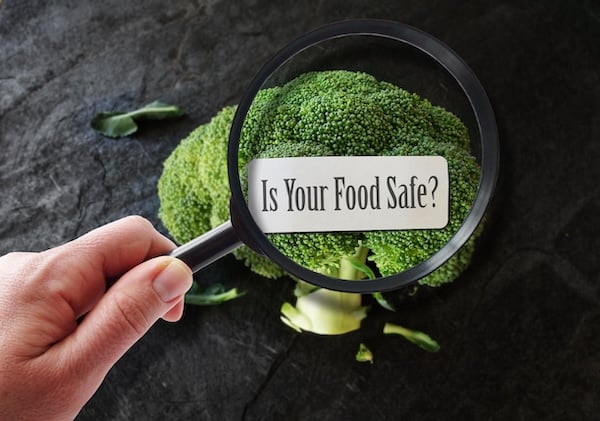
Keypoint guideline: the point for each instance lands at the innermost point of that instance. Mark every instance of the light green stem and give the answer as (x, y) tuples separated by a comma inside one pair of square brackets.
[(348, 270)]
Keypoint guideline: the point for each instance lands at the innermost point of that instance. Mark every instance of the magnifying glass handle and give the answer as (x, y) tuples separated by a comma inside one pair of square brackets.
[(211, 246)]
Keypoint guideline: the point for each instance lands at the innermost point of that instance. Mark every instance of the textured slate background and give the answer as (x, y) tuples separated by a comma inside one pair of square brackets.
[(519, 331)]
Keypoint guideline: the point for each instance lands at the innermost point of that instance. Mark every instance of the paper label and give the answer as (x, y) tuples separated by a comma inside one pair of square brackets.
[(354, 193)]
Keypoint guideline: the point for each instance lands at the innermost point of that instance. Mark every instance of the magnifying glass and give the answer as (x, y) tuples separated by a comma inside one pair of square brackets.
[(364, 146)]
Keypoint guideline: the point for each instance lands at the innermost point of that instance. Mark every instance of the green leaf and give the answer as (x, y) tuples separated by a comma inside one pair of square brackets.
[(293, 318), (361, 267), (420, 339), (364, 354), (211, 295), (119, 124), (383, 302)]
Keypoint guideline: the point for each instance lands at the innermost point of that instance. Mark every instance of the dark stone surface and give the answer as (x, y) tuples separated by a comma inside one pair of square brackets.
[(519, 331)]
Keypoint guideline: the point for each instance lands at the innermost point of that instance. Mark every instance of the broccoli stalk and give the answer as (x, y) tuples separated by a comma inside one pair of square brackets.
[(326, 312), (353, 267)]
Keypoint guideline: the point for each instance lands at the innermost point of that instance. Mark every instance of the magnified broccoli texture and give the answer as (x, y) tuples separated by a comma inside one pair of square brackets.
[(327, 113)]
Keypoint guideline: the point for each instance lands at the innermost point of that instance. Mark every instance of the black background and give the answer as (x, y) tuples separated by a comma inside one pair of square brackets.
[(519, 330)]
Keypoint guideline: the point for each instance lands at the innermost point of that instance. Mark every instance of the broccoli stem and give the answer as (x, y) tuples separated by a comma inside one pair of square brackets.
[(348, 267), (328, 312)]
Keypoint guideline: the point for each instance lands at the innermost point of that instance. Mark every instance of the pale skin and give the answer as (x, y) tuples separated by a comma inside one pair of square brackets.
[(61, 329)]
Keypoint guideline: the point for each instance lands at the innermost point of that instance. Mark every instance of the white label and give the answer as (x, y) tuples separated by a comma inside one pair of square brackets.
[(350, 193)]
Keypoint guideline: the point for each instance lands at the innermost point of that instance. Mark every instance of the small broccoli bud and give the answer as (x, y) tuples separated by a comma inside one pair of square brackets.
[(364, 354)]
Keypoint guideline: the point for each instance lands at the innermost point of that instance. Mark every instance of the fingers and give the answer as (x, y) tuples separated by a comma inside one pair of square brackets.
[(119, 245), (175, 313), (83, 265), (149, 291), (48, 291)]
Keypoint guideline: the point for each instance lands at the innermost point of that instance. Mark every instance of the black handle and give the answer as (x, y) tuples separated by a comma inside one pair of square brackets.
[(211, 246)]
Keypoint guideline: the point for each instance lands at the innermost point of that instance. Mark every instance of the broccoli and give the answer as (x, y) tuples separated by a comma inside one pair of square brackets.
[(326, 113)]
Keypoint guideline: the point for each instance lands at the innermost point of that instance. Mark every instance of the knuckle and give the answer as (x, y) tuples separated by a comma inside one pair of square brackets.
[(131, 314), (139, 222)]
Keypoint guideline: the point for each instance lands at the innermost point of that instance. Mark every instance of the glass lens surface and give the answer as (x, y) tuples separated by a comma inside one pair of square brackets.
[(359, 158)]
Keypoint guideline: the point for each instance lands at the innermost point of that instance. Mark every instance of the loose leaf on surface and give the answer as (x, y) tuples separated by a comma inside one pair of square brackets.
[(119, 124), (364, 354), (422, 340)]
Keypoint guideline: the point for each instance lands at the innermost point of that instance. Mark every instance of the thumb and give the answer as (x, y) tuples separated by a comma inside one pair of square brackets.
[(128, 309)]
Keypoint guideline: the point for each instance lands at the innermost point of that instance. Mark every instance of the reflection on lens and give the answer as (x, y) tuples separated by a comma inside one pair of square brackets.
[(351, 113)]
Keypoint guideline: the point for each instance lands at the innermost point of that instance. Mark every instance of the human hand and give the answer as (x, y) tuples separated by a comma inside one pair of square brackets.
[(51, 360)]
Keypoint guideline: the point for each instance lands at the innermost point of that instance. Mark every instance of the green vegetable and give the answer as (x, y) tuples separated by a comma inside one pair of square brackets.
[(211, 295), (194, 189), (422, 340), (364, 354), (120, 124), (325, 113)]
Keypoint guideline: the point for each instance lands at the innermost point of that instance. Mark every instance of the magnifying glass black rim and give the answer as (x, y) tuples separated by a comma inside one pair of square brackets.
[(472, 89)]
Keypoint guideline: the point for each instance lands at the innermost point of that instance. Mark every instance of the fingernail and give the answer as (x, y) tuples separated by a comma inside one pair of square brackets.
[(174, 280)]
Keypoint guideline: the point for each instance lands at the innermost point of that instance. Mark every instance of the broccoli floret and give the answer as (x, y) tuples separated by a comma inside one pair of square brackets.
[(396, 251), (185, 204), (194, 189), (350, 113)]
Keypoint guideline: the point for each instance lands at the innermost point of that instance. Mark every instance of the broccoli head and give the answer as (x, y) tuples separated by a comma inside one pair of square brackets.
[(345, 113), (326, 113)]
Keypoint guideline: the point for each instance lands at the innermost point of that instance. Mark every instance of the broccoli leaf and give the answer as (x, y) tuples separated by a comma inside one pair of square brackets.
[(381, 300), (211, 295), (364, 354), (422, 340), (119, 124), (362, 267)]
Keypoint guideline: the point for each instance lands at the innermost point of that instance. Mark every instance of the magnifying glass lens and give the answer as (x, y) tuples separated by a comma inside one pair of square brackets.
[(360, 158)]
